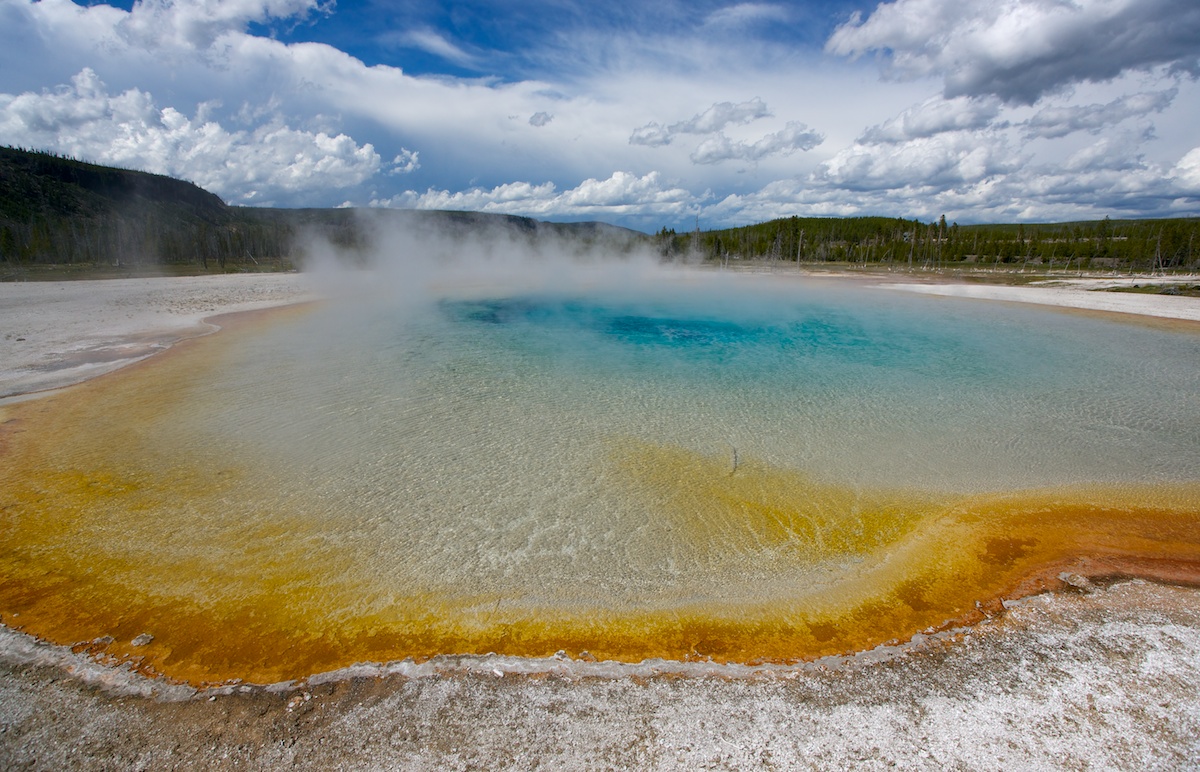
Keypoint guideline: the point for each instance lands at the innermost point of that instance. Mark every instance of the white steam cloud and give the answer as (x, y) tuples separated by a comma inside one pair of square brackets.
[(419, 257)]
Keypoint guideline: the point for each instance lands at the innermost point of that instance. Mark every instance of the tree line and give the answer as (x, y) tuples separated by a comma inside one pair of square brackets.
[(62, 211), (57, 210), (1125, 245)]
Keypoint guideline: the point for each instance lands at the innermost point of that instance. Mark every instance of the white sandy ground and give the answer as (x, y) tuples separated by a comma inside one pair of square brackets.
[(1083, 293), (1102, 679), (53, 334)]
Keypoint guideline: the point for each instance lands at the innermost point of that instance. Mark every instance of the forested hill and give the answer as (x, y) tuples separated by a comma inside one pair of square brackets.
[(57, 211), (42, 185)]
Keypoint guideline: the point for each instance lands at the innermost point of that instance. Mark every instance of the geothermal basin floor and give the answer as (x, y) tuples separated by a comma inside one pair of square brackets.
[(1106, 677)]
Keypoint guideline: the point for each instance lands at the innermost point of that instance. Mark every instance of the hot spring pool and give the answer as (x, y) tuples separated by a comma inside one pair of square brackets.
[(704, 468)]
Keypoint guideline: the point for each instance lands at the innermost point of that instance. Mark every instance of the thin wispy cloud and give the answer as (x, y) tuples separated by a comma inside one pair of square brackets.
[(431, 42), (744, 14)]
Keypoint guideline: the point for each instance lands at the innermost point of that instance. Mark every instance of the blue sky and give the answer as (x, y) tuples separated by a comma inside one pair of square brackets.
[(639, 114)]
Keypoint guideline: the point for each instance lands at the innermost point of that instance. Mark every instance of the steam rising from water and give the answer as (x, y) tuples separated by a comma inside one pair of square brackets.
[(415, 259), (485, 446)]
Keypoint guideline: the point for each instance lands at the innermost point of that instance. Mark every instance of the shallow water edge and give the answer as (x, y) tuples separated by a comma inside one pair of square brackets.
[(1106, 678)]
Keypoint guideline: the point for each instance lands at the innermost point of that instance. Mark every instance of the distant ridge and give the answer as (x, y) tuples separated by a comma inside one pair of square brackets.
[(58, 211)]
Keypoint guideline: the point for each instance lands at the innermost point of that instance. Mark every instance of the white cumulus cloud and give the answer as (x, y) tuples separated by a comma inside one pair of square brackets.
[(717, 147), (935, 116), (1052, 122), (711, 121), (129, 130), (198, 23), (621, 193), (721, 115), (1029, 122), (651, 135), (945, 160), (1187, 172), (792, 138), (1020, 50), (406, 162)]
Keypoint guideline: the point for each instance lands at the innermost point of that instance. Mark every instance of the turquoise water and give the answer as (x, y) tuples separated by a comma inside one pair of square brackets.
[(469, 440), (681, 466), (847, 383)]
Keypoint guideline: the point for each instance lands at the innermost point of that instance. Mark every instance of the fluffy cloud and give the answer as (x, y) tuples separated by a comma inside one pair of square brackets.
[(945, 160), (721, 115), (1019, 50), (934, 116), (1023, 193), (622, 193), (1052, 122), (1117, 152), (651, 135), (712, 120), (793, 137), (197, 89), (1187, 172), (129, 130), (406, 162), (154, 23), (717, 147)]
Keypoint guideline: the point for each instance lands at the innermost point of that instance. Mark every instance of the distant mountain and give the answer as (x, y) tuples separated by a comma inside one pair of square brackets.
[(61, 211)]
